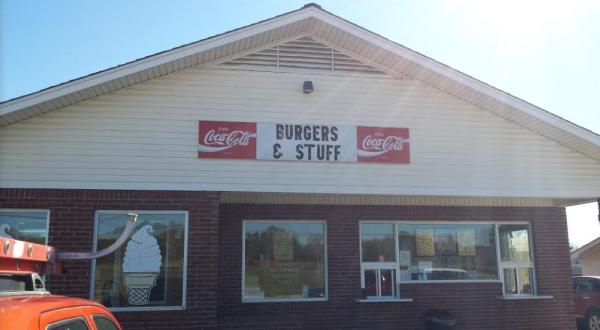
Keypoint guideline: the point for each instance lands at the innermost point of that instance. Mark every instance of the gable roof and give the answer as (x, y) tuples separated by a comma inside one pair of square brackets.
[(310, 20), (576, 253)]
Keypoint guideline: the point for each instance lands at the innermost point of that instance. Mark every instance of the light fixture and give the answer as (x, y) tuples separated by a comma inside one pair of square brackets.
[(307, 87)]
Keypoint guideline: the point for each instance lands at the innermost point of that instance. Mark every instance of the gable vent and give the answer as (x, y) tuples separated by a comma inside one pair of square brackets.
[(303, 53)]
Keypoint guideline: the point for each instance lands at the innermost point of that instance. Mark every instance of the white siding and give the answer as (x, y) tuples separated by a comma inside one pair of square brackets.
[(145, 137), (590, 261)]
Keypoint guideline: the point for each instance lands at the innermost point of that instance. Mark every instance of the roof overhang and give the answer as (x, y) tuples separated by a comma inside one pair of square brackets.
[(310, 20)]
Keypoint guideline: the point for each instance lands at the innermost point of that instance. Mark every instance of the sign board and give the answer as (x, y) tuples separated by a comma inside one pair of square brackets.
[(382, 145), (306, 142), (303, 142), (227, 139)]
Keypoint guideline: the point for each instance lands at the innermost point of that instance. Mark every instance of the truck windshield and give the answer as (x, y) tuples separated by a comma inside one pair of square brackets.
[(12, 282)]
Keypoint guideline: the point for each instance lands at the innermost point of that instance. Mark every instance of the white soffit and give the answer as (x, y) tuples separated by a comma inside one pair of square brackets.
[(371, 49)]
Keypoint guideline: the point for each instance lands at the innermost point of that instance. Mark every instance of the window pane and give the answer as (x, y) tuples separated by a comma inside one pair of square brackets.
[(371, 282), (583, 286), (380, 283), (377, 242), (514, 242), (510, 281), (77, 324), (103, 323), (525, 280), (387, 280), (518, 281), (284, 260), (13, 282), (447, 252), (148, 269), (24, 226)]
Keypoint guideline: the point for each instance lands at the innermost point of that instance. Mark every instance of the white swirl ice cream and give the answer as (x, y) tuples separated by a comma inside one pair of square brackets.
[(141, 265)]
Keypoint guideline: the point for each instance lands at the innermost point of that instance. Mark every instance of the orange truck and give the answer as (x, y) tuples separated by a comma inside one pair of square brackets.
[(25, 304)]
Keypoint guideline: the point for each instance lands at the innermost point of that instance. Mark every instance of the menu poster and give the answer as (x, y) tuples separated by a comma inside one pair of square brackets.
[(445, 242), (466, 242), (283, 246), (425, 243)]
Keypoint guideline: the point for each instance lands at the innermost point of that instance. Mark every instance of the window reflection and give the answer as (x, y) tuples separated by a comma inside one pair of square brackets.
[(514, 242), (447, 252), (284, 260), (24, 226), (377, 242), (146, 271)]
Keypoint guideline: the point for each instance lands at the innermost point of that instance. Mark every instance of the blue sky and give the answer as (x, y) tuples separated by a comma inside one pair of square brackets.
[(545, 52)]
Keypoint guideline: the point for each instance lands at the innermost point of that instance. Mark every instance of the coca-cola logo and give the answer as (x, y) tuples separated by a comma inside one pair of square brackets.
[(221, 139), (230, 139), (383, 144), (388, 143)]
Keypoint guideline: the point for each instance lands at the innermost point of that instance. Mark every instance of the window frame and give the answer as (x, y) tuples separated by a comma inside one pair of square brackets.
[(517, 264), (378, 266), (182, 306), (500, 269), (280, 300), (47, 211)]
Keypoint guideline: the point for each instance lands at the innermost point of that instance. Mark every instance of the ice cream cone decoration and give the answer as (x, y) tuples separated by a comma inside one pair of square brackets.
[(141, 266), (139, 286)]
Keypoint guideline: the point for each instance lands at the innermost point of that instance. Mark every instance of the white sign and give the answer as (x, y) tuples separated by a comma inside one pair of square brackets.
[(303, 142), (332, 143)]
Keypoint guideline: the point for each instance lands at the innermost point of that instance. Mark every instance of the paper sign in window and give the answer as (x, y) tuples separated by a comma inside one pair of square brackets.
[(466, 242), (445, 242), (283, 246), (425, 244)]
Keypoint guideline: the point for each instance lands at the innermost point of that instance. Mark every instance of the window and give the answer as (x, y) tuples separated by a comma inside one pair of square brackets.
[(402, 252), (378, 260), (515, 259), (15, 282), (70, 324), (454, 252), (283, 261), (25, 225), (586, 286), (147, 272), (104, 323)]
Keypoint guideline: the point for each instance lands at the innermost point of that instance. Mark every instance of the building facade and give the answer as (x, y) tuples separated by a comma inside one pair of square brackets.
[(586, 259), (304, 173)]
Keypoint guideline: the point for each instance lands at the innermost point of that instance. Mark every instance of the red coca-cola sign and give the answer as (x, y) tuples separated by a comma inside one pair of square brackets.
[(227, 139), (382, 145)]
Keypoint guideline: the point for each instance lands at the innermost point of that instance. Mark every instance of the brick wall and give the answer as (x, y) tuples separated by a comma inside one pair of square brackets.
[(475, 304), (215, 252), (71, 229)]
